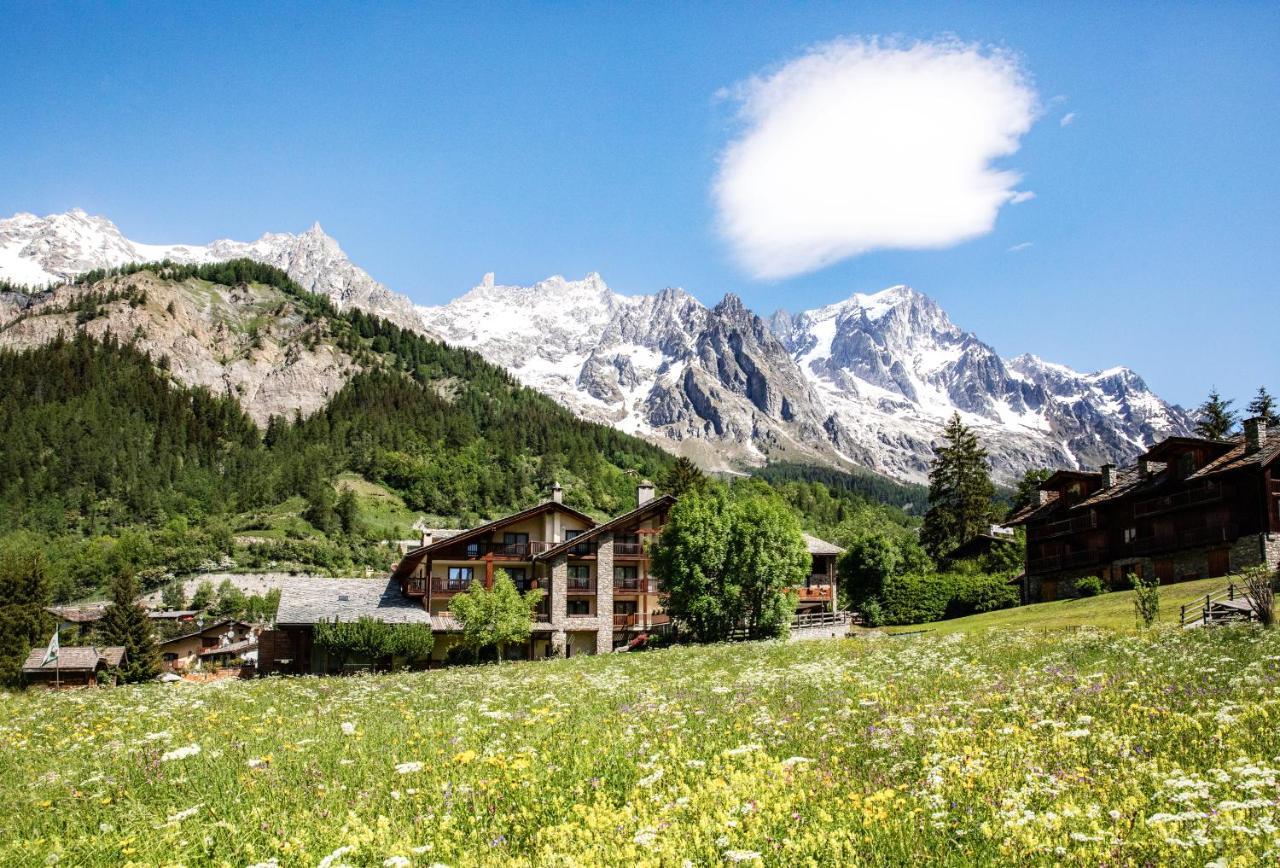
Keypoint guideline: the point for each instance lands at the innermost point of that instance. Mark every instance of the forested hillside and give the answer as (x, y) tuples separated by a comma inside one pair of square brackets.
[(113, 463)]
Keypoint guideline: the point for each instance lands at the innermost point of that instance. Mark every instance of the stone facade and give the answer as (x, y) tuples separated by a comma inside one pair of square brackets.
[(600, 623), (604, 594)]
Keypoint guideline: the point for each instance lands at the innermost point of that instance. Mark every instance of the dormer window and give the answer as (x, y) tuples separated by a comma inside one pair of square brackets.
[(1186, 464)]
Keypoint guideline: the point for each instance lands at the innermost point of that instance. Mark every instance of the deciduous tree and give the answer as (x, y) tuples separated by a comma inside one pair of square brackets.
[(496, 617)]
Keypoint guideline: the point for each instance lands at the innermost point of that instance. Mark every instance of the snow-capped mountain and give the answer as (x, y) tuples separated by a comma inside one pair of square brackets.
[(894, 368), (36, 251), (868, 381)]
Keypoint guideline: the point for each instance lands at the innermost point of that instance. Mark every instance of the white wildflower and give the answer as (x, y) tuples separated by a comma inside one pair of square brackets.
[(180, 753), (408, 768), (741, 855), (396, 862), (650, 780), (332, 858), (348, 728), (795, 760), (184, 814)]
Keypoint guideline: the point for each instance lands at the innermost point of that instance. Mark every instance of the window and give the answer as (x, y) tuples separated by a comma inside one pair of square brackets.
[(519, 578), (1186, 464), (578, 607), (624, 607), (626, 544), (1130, 534), (515, 543), (580, 577), (626, 577), (460, 577), (580, 548)]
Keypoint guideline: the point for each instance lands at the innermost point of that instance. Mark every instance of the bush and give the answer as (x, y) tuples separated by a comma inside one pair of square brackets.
[(1089, 586), (916, 599), (872, 613), (1146, 599)]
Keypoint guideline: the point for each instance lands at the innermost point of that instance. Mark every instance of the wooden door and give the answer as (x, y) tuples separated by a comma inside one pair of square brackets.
[(1219, 562), (1164, 571)]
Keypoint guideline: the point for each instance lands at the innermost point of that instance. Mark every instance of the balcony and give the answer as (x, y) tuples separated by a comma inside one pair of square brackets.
[(515, 551), (640, 621), (1191, 497), (1064, 526), (416, 588), (444, 586), (1066, 561), (628, 549), (635, 586), (814, 592), (580, 586), (1199, 536)]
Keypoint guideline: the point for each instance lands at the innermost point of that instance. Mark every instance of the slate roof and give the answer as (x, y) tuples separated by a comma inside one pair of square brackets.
[(1034, 510), (348, 600), (821, 547), (205, 629), (85, 614), (74, 658), (1236, 457)]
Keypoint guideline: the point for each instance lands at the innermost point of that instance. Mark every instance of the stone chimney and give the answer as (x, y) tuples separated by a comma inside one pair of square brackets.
[(426, 537), (1108, 475), (644, 492), (1042, 496), (1255, 433), (1144, 468), (557, 493)]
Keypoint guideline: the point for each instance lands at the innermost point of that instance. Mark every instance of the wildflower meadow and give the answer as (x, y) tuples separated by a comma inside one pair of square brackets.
[(1077, 747)]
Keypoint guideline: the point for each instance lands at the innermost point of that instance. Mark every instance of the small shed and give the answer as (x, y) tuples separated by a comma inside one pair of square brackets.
[(74, 666)]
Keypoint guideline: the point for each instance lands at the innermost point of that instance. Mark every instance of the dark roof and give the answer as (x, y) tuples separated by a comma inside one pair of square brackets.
[(348, 600), (820, 546), (1067, 475), (1162, 448), (231, 648), (655, 505), (74, 658), (411, 559), (174, 615), (1034, 510), (1236, 457), (205, 629)]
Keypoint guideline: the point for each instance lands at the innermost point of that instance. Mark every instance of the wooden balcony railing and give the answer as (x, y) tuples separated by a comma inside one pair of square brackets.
[(635, 586), (1203, 494), (1066, 561), (812, 592), (416, 587), (628, 549), (442, 585), (580, 586), (511, 550), (640, 621), (1198, 536), (1064, 526)]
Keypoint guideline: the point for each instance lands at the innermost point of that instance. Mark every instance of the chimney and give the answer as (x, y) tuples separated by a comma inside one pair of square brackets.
[(1042, 496), (1255, 433), (644, 492), (1144, 468), (1108, 475), (426, 537), (557, 493)]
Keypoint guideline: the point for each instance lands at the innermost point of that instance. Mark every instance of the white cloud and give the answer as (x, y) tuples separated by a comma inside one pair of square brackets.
[(1021, 196), (1018, 248), (1067, 119), (863, 145)]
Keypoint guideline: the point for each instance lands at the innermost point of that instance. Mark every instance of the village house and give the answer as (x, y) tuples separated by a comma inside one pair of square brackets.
[(207, 643), (600, 593), (74, 666), (1190, 508), (83, 619)]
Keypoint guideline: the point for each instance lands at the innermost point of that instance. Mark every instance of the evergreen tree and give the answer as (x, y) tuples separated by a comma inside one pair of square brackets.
[(348, 512), (203, 599), (320, 503), (1215, 420), (1264, 406), (125, 623), (960, 491), (682, 478), (496, 617), (24, 594), (173, 597), (1025, 493)]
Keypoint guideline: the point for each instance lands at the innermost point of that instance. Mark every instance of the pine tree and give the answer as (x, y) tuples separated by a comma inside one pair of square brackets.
[(126, 624), (173, 597), (348, 512), (1215, 420), (960, 491), (683, 477), (1264, 406), (24, 592)]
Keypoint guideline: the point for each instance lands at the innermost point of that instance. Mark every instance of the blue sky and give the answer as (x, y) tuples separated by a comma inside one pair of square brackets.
[(438, 143)]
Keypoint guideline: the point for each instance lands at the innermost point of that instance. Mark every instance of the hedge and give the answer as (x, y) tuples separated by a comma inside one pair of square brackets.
[(917, 599)]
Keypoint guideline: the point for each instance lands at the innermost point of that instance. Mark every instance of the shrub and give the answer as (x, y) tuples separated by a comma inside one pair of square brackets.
[(916, 599), (872, 613), (1260, 586), (982, 592), (1089, 586), (1146, 598)]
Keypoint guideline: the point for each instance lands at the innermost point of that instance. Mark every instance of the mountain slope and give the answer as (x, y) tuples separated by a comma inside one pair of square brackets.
[(866, 382)]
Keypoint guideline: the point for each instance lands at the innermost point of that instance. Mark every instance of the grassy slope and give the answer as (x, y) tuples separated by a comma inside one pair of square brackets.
[(1113, 611), (1020, 748)]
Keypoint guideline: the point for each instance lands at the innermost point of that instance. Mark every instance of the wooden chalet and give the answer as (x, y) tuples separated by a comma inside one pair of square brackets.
[(1190, 508), (76, 666), (599, 591), (188, 651)]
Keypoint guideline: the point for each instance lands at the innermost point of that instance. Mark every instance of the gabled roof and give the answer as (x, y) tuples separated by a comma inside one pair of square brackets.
[(74, 659), (1034, 510), (205, 629), (1158, 451), (821, 547), (85, 614), (230, 648), (348, 600), (638, 514), (411, 560), (1236, 457)]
